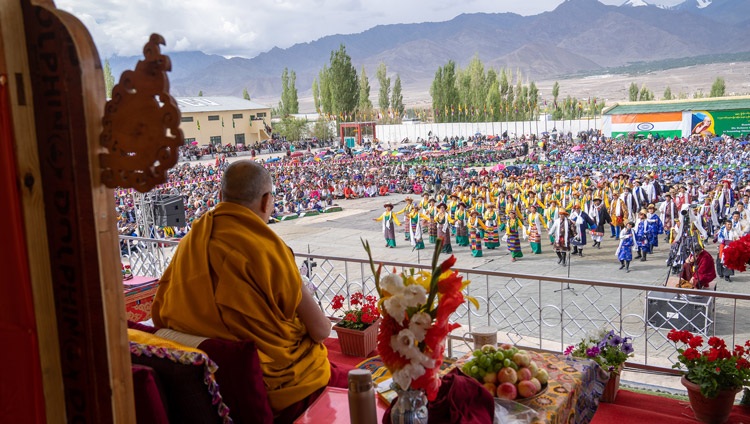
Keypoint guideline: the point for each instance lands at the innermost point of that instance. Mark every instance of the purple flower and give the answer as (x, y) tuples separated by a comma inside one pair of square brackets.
[(592, 351), (627, 348), (614, 340)]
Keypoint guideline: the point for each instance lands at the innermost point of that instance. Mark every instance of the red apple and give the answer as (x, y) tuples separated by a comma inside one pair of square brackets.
[(507, 375), (507, 391), (524, 374), (490, 377), (506, 346), (526, 389)]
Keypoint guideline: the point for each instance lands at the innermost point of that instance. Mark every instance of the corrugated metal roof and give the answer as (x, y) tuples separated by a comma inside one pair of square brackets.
[(716, 103), (216, 104)]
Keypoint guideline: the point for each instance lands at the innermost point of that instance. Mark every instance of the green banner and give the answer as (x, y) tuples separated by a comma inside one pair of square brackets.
[(645, 134), (720, 122)]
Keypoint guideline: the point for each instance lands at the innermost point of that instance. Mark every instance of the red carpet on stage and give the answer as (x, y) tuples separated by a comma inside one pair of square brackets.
[(631, 407), (335, 355)]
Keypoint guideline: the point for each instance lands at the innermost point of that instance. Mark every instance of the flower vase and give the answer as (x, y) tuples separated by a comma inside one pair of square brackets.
[(358, 342), (706, 410), (410, 407), (613, 385)]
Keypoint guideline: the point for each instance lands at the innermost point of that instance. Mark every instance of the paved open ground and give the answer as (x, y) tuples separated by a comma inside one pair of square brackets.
[(338, 234)]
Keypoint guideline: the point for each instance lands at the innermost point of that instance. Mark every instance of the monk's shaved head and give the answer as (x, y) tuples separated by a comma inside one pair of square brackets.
[(245, 182)]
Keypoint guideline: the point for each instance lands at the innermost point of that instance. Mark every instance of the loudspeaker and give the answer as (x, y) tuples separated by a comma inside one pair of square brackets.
[(169, 211), (681, 312)]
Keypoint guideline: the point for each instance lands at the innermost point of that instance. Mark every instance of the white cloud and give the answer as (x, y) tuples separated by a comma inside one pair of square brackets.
[(249, 27)]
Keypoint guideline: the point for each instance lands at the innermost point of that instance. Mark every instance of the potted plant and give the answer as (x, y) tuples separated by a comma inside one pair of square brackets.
[(358, 329), (610, 351), (713, 373)]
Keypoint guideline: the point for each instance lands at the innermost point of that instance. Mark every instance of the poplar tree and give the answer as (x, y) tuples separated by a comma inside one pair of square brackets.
[(384, 93)]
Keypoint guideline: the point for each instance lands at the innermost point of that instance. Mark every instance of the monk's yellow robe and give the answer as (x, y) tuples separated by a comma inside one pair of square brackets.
[(233, 278)]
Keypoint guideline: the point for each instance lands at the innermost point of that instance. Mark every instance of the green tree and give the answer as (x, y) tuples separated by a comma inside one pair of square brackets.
[(291, 128), (344, 84), (322, 130), (109, 79), (245, 94), (444, 92), (326, 102), (667, 94), (645, 94), (316, 94), (718, 88), (556, 110), (384, 93), (200, 93), (365, 105), (397, 99), (289, 103), (633, 92)]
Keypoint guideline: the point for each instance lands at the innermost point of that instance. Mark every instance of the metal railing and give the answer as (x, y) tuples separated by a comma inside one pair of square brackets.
[(540, 312)]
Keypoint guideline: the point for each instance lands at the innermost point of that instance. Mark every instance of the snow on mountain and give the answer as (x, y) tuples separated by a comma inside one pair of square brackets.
[(703, 3), (637, 3)]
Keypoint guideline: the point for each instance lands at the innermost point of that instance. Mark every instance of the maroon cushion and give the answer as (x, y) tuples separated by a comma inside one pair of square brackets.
[(150, 405), (239, 376), (240, 379)]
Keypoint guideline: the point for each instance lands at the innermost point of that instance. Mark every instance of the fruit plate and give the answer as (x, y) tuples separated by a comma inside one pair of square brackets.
[(529, 399)]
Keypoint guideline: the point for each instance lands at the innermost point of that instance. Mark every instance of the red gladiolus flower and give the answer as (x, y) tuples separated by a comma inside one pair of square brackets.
[(450, 284), (447, 264), (388, 328)]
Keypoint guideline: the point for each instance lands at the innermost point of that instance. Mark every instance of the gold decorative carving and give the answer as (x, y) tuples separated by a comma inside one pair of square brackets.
[(141, 123)]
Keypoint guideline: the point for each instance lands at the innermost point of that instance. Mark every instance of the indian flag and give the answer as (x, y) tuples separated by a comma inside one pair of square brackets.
[(666, 124)]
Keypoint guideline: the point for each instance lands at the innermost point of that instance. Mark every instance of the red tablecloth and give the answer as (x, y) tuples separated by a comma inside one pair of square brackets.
[(139, 295)]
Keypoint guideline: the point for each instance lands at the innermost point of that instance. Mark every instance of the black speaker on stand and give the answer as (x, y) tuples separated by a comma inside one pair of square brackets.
[(169, 211)]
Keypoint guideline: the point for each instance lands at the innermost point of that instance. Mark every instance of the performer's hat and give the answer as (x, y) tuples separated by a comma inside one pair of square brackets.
[(563, 212), (597, 198), (642, 212), (441, 205), (408, 199), (388, 205), (651, 206), (474, 212), (576, 206), (461, 204)]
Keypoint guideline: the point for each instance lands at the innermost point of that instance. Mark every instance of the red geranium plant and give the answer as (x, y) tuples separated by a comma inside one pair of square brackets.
[(713, 367), (364, 310)]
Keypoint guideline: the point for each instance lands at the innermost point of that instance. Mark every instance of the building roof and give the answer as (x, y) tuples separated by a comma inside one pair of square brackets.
[(715, 103), (216, 104)]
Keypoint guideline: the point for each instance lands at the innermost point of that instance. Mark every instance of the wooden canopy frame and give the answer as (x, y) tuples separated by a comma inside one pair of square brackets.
[(358, 126)]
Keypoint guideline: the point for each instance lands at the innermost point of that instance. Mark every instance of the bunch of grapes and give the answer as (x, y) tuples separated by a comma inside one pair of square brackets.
[(489, 359)]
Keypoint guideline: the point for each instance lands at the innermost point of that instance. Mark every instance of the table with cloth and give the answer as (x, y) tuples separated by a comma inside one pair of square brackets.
[(573, 390), (139, 296)]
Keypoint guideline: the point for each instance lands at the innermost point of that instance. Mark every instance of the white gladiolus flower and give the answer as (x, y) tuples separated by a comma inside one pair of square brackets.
[(393, 284), (414, 295), (396, 308), (407, 374), (405, 344), (419, 324)]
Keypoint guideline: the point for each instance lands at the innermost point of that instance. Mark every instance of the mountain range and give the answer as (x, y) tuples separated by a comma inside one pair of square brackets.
[(579, 36)]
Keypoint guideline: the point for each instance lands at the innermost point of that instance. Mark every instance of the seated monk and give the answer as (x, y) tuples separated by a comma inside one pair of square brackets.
[(233, 278), (698, 271)]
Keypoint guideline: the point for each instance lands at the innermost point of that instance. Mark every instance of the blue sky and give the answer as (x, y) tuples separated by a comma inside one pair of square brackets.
[(249, 27)]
